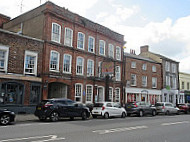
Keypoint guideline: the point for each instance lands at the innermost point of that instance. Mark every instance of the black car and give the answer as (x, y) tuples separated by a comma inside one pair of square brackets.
[(57, 108), (6, 116), (140, 108)]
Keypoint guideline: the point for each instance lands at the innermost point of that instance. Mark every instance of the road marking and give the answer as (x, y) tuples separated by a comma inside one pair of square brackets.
[(51, 138), (119, 130), (174, 123)]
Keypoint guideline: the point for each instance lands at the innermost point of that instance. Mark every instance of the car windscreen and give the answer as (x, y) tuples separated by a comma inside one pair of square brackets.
[(98, 104)]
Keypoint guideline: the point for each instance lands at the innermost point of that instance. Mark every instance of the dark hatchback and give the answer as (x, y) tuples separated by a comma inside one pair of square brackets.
[(140, 108), (57, 108), (6, 116)]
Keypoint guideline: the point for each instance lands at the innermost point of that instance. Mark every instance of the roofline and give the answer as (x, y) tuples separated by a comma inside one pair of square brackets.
[(24, 36), (148, 60), (163, 57)]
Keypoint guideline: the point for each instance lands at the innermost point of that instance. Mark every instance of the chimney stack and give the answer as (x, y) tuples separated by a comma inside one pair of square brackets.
[(144, 48)]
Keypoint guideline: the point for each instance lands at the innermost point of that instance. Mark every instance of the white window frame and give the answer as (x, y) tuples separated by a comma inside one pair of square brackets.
[(82, 65), (93, 44), (70, 63), (135, 80), (57, 68), (68, 38), (111, 93), (144, 67), (174, 83), (76, 96), (133, 65), (144, 81), (167, 66), (102, 47), (99, 69), (89, 93), (118, 94), (92, 73), (153, 68), (56, 34), (174, 68), (118, 73), (34, 54), (154, 80), (111, 51), (83, 41), (6, 49), (118, 53), (167, 80)]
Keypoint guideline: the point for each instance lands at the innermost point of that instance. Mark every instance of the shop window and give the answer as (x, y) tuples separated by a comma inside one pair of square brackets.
[(11, 93)]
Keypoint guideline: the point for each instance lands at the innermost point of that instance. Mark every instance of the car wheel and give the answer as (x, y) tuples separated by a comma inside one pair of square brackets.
[(153, 113), (167, 112), (94, 116), (123, 115), (106, 115), (84, 115), (5, 119), (141, 113), (54, 116)]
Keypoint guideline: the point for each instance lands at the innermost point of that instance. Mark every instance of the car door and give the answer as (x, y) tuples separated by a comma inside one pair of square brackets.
[(117, 109), (62, 107), (110, 109), (70, 108)]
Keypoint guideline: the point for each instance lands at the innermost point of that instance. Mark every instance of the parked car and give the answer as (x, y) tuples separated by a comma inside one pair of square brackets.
[(57, 108), (108, 109), (6, 116), (166, 108), (140, 108), (184, 108)]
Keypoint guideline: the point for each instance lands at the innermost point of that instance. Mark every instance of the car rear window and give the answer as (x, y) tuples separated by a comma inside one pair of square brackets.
[(98, 104), (159, 104)]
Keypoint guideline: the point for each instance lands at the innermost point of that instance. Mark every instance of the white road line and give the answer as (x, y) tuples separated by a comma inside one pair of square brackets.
[(51, 138), (119, 129), (174, 123)]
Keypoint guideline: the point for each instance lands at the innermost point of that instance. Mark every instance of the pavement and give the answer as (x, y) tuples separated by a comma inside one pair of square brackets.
[(25, 117)]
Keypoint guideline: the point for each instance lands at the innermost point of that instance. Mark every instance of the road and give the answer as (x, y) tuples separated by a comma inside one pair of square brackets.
[(161, 128)]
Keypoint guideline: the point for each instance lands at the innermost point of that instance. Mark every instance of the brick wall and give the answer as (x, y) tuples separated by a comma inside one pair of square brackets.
[(140, 72)]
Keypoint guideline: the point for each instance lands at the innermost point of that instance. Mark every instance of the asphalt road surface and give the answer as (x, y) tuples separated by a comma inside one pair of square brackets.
[(175, 128)]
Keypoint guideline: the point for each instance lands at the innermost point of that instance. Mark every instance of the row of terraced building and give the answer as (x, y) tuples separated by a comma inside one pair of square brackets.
[(50, 52)]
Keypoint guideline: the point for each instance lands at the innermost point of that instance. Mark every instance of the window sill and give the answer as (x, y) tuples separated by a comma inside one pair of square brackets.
[(54, 71)]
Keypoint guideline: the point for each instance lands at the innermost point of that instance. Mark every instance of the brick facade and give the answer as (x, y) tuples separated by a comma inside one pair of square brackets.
[(58, 81), (135, 92), (13, 80)]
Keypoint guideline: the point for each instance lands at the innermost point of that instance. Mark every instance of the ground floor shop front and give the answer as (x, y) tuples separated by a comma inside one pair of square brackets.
[(20, 93), (140, 94)]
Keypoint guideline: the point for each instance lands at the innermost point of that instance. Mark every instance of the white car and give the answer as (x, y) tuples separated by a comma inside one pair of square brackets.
[(108, 109), (166, 108)]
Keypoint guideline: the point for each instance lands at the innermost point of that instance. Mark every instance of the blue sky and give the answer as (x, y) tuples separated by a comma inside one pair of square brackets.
[(164, 25)]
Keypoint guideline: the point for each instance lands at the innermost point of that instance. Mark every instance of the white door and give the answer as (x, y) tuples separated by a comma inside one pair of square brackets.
[(100, 94)]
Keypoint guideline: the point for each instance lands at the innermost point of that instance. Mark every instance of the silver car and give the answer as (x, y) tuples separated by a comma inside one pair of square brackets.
[(166, 108)]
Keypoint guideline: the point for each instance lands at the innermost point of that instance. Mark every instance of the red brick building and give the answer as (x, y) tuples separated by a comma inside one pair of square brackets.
[(143, 79), (20, 71), (74, 49)]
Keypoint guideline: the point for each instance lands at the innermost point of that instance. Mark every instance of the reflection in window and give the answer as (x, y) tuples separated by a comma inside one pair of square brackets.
[(35, 94)]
